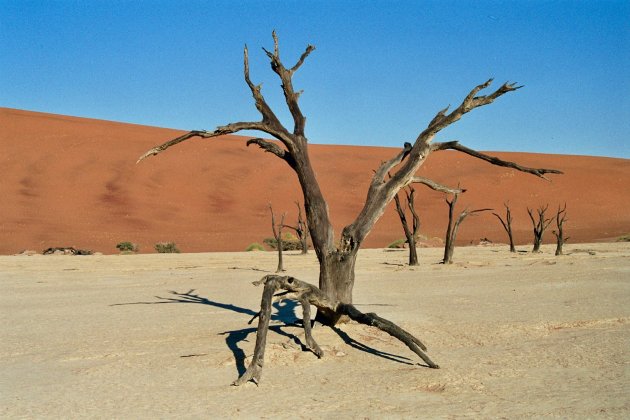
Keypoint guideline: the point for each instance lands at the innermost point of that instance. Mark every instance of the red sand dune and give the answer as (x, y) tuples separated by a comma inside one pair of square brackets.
[(74, 182)]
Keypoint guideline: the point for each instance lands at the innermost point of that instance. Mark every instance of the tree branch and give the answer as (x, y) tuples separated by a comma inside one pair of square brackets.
[(269, 117), (454, 145), (291, 97), (273, 148), (470, 102), (435, 186), (379, 174)]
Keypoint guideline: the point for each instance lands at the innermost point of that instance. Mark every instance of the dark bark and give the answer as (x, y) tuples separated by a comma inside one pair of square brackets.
[(561, 217), (540, 224), (411, 233), (453, 227), (337, 261), (277, 234), (307, 295), (507, 225)]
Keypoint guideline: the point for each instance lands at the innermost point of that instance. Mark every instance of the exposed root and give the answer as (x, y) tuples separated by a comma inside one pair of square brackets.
[(307, 295)]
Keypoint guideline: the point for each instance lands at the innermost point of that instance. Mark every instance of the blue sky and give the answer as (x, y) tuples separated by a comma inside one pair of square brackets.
[(381, 70)]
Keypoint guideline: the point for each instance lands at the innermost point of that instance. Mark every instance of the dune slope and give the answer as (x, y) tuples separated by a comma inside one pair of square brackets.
[(71, 181)]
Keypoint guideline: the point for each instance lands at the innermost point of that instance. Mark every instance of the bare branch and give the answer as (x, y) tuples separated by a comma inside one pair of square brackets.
[(291, 97), (273, 148), (269, 117), (454, 145), (379, 174), (435, 186), (159, 149), (219, 131), (305, 54), (470, 102)]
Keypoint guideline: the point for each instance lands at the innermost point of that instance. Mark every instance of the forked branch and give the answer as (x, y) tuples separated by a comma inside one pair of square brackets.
[(270, 123), (307, 294), (454, 145), (435, 186)]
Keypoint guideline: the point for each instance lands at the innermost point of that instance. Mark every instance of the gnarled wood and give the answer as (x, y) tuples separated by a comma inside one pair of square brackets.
[(307, 295), (337, 258)]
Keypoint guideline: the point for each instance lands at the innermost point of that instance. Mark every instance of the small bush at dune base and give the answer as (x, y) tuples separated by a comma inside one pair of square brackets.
[(397, 244), (166, 248), (289, 243), (254, 247), (127, 247)]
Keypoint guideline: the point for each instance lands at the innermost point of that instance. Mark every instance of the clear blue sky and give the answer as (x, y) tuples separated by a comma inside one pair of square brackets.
[(381, 70)]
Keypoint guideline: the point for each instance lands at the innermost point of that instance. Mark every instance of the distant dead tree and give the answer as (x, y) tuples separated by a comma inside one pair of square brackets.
[(411, 233), (301, 229), (277, 234), (451, 229), (507, 225), (540, 225), (561, 217), (337, 256)]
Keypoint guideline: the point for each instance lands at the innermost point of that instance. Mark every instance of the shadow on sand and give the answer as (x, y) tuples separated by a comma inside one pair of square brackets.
[(284, 313)]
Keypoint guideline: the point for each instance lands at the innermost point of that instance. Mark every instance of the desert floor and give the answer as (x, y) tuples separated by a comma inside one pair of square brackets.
[(141, 336)]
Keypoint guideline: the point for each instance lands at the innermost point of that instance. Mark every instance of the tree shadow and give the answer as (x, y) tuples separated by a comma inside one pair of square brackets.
[(284, 313), (233, 338), (285, 310), (363, 347)]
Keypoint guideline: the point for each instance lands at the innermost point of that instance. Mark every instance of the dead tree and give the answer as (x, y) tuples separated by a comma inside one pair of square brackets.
[(301, 229), (411, 233), (337, 256), (540, 225), (507, 225), (277, 234), (561, 217), (452, 228)]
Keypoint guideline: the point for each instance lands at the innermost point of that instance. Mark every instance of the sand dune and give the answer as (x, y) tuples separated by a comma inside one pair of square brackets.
[(74, 182), (163, 336)]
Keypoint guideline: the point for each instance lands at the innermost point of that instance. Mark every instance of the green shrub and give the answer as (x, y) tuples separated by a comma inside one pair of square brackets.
[(255, 247), (624, 238), (287, 244), (398, 243), (127, 247), (166, 248)]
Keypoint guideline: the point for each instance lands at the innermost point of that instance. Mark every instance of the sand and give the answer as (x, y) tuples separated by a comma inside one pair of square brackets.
[(70, 181), (163, 336)]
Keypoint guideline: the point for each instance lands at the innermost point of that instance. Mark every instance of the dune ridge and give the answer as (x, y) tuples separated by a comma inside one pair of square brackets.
[(70, 181)]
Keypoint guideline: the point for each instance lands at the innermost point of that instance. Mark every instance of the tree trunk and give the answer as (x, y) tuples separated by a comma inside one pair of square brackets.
[(540, 226), (277, 234), (410, 234), (302, 230), (507, 225), (451, 230), (336, 280), (449, 240), (413, 252), (560, 238)]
